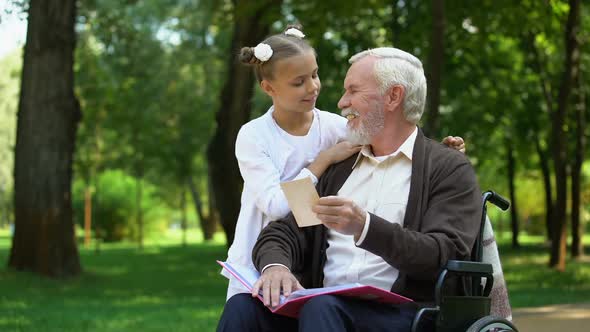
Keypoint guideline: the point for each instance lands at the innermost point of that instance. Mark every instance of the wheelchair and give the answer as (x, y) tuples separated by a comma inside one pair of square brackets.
[(469, 312)]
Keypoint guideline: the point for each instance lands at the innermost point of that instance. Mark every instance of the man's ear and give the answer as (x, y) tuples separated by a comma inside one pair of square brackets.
[(394, 97), (267, 87)]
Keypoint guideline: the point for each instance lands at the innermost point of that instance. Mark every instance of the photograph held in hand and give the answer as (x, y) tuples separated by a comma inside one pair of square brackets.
[(301, 196)]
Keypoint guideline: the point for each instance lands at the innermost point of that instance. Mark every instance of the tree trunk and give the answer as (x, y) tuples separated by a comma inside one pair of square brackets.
[(48, 114), (435, 64), (572, 54), (511, 176), (3, 208), (183, 222), (213, 212), (252, 21), (207, 221), (138, 198), (87, 214), (546, 171), (577, 248), (528, 40)]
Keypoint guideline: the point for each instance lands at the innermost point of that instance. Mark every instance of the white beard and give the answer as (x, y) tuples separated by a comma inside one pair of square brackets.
[(369, 126), (357, 136)]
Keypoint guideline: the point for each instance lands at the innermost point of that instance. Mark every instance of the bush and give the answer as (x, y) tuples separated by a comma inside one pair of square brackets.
[(114, 208)]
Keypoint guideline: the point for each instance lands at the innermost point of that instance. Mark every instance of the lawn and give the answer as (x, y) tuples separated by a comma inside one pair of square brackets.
[(167, 287), (531, 283)]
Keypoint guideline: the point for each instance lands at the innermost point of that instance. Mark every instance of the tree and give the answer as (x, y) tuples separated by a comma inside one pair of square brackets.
[(48, 114), (436, 60), (577, 248), (511, 161), (559, 148), (251, 24)]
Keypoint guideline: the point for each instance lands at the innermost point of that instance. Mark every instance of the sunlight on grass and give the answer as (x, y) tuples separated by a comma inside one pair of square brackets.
[(167, 286), (17, 304), (140, 300), (18, 323), (530, 281)]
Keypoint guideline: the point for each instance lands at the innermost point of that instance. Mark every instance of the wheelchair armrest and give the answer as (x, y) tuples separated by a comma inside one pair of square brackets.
[(465, 268), (469, 268)]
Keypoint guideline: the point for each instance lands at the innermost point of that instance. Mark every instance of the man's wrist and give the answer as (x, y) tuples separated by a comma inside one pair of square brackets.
[(363, 234), (274, 264)]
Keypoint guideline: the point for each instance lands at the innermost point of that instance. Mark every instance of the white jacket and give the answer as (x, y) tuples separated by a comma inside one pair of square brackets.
[(262, 153)]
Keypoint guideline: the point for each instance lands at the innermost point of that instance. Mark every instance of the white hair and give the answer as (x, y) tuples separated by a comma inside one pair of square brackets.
[(395, 66)]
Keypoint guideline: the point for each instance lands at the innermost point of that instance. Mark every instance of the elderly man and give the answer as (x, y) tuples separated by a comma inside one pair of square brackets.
[(392, 215)]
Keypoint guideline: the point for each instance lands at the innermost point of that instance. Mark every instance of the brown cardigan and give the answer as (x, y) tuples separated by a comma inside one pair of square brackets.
[(441, 223)]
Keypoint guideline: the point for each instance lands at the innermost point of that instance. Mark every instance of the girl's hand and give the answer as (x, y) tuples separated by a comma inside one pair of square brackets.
[(455, 142), (341, 151), (334, 154)]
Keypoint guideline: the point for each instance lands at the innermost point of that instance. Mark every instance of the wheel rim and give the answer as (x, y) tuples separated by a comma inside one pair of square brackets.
[(496, 327)]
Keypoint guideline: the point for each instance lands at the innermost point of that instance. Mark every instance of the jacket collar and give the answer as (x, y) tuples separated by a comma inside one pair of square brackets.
[(406, 149)]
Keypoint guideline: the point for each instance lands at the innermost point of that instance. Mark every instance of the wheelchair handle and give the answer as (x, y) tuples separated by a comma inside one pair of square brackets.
[(496, 199)]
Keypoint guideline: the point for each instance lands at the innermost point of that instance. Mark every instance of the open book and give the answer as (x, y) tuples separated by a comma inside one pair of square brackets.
[(290, 305)]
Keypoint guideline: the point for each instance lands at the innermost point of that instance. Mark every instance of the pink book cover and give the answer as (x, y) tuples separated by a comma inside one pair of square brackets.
[(290, 306)]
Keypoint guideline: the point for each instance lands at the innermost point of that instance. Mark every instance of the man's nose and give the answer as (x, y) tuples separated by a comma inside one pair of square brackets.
[(344, 102)]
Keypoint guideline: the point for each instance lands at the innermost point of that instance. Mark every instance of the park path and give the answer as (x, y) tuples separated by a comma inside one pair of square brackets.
[(561, 317)]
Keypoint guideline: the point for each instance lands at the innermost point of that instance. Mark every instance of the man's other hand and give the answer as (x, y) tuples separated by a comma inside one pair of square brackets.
[(341, 215), (272, 281)]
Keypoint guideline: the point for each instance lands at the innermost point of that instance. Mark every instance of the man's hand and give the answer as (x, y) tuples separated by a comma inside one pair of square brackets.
[(455, 142), (272, 280), (341, 215)]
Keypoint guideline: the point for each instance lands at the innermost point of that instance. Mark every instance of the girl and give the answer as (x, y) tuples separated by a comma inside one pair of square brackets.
[(291, 141)]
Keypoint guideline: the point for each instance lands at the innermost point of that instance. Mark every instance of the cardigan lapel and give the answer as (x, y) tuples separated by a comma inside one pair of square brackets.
[(344, 171), (416, 183)]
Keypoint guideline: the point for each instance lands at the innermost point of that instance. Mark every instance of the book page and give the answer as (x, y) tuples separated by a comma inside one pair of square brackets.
[(313, 291), (301, 196), (245, 275)]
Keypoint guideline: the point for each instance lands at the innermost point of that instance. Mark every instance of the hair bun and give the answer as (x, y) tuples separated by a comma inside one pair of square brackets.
[(294, 26), (247, 56), (294, 32)]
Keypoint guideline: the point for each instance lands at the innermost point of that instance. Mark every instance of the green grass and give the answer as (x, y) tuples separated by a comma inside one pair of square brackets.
[(531, 283), (167, 287)]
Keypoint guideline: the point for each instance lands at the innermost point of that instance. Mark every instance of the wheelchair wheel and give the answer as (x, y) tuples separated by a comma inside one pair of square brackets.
[(492, 324)]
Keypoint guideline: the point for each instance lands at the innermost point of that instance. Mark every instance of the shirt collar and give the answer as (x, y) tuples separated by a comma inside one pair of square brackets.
[(407, 148)]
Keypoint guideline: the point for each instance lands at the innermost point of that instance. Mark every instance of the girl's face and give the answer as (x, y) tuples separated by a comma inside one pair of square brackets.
[(296, 84)]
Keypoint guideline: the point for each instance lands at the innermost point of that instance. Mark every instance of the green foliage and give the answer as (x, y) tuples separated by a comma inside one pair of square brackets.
[(10, 67), (143, 76), (114, 207)]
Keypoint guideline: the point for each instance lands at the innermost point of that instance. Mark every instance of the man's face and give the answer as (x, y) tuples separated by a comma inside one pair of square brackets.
[(362, 104)]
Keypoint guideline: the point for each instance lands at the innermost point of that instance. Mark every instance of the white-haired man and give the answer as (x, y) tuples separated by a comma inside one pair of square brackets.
[(392, 215)]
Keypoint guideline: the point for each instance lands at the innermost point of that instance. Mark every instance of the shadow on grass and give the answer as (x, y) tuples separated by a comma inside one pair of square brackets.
[(121, 289)]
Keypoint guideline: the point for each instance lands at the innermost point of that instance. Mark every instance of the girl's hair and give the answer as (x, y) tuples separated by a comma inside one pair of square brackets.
[(283, 46)]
